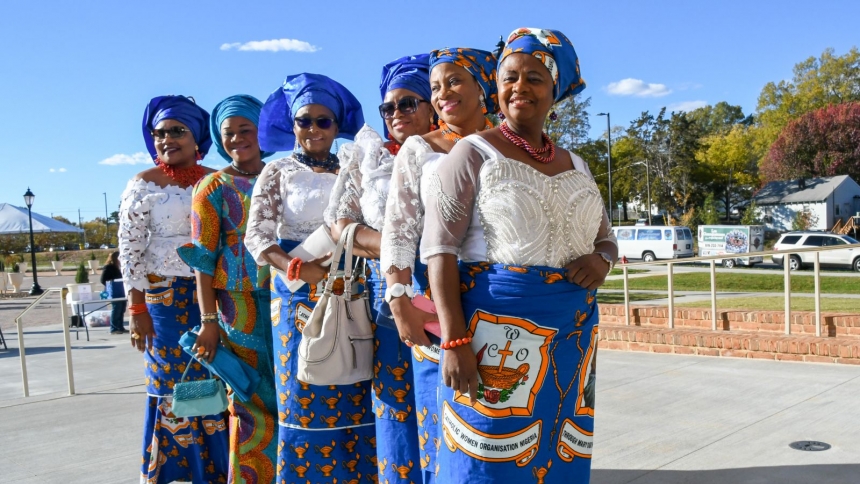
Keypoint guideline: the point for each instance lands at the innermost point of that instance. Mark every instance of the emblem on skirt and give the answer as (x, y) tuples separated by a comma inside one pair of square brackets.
[(512, 363)]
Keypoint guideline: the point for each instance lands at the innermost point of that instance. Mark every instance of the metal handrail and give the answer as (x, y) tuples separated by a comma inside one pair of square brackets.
[(712, 262), (66, 339)]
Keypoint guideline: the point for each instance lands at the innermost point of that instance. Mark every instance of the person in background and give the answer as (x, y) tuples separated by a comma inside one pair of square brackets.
[(155, 219), (519, 313), (463, 93), (111, 272), (325, 433), (359, 196), (234, 299)]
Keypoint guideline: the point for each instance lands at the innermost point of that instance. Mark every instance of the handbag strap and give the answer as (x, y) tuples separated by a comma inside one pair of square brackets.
[(346, 240), (189, 366)]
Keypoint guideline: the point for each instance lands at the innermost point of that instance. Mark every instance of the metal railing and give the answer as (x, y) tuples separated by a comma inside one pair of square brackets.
[(712, 261), (67, 341)]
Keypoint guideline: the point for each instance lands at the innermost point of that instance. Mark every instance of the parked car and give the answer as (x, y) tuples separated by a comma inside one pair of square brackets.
[(652, 243), (844, 258)]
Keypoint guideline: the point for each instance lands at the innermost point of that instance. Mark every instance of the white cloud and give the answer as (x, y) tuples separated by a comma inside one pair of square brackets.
[(274, 45), (638, 88), (686, 106), (57, 170), (139, 158)]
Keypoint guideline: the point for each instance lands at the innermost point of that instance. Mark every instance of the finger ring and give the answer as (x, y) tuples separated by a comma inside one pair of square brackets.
[(206, 355), (201, 349), (408, 343), (135, 336)]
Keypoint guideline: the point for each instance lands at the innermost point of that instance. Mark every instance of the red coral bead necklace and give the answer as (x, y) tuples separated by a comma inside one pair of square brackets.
[(536, 153)]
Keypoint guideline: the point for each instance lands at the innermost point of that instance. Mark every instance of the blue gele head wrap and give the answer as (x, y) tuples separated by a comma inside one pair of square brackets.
[(182, 109), (480, 63), (555, 52), (278, 113), (242, 105), (411, 72)]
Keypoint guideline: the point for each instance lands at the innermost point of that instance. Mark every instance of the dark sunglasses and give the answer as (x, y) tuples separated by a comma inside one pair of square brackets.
[(406, 105), (175, 132), (322, 123)]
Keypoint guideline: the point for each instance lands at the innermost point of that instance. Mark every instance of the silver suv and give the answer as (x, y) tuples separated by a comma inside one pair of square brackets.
[(844, 258)]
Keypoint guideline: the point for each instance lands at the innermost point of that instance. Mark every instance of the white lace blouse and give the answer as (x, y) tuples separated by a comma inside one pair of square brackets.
[(527, 218), (404, 210), (153, 222), (362, 184), (288, 202)]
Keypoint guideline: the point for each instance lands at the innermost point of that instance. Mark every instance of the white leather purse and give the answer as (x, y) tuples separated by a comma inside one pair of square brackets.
[(337, 341)]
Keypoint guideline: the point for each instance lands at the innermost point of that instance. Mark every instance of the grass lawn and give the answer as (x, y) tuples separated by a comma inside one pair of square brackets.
[(620, 272), (618, 297), (701, 281), (777, 303)]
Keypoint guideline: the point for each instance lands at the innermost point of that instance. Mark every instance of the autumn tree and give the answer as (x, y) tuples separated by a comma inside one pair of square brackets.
[(825, 142), (731, 161)]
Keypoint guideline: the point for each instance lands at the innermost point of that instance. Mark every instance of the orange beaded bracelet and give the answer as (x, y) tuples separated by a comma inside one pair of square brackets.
[(457, 342)]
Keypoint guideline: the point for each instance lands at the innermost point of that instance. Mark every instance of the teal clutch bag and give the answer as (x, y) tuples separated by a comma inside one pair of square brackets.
[(197, 398)]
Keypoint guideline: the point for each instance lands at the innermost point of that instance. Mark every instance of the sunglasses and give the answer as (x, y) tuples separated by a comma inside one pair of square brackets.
[(406, 105), (322, 123), (175, 132)]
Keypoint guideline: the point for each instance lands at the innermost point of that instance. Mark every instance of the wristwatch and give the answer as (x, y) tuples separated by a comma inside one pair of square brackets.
[(607, 259), (397, 290)]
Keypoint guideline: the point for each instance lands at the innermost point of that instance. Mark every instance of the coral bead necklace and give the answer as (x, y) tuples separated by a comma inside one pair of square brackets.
[(536, 153)]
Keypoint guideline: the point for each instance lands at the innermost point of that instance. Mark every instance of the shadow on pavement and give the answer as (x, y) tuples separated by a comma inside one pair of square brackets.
[(824, 473)]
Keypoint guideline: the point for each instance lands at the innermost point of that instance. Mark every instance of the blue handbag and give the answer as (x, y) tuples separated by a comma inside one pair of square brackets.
[(241, 377), (197, 398), (115, 289)]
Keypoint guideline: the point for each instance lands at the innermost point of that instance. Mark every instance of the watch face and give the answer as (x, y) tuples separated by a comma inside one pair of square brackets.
[(398, 290)]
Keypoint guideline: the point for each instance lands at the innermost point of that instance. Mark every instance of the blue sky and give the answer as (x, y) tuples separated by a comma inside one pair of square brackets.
[(76, 76)]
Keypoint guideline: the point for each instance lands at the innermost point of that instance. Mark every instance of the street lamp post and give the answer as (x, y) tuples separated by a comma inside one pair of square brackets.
[(609, 152), (107, 224), (35, 290)]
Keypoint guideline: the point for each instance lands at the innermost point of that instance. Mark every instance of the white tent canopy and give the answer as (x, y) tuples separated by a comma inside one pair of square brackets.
[(13, 220)]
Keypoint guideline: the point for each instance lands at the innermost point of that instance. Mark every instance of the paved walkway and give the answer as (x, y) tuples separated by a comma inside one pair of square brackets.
[(660, 418)]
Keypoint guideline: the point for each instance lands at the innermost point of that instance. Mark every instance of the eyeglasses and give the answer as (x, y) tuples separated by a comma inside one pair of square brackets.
[(322, 123), (175, 132), (406, 105)]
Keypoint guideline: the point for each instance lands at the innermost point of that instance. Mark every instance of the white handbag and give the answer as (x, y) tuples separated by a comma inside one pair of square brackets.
[(337, 341)]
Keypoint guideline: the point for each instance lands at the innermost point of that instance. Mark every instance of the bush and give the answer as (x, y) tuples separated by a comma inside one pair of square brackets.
[(804, 220), (2, 266), (15, 267), (82, 276), (750, 216), (92, 255), (57, 256), (709, 214)]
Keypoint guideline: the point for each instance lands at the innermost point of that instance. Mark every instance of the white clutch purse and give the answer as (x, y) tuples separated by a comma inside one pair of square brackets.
[(315, 246)]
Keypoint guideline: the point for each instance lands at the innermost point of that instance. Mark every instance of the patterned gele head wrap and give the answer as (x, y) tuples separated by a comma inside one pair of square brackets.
[(279, 111), (242, 105), (480, 63), (555, 51), (182, 109)]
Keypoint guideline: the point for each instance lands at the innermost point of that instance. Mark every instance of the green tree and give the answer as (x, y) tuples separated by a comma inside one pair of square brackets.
[(719, 118), (816, 83), (709, 215), (731, 161), (570, 128), (804, 220), (750, 216)]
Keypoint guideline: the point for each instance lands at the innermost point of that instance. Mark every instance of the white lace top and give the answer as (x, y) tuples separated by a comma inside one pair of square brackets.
[(404, 210), (362, 184), (288, 202), (153, 222), (528, 218)]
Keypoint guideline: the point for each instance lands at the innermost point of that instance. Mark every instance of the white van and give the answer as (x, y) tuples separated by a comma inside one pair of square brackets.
[(655, 242)]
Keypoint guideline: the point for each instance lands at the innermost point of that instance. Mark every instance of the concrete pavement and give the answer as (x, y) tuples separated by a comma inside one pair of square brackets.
[(660, 418)]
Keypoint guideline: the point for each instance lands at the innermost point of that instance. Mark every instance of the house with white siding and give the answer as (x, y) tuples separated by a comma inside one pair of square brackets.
[(828, 198)]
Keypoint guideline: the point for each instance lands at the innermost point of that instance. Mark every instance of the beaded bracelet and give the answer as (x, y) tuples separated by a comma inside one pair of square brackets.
[(293, 269), (138, 308), (457, 342), (209, 318)]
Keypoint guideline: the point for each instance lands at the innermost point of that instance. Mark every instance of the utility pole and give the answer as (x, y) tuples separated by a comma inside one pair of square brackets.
[(107, 223), (609, 153), (81, 225)]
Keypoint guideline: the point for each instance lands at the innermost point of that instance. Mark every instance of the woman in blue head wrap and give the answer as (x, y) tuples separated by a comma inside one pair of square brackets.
[(462, 94), (154, 221), (359, 196), (519, 315), (233, 298), (324, 432)]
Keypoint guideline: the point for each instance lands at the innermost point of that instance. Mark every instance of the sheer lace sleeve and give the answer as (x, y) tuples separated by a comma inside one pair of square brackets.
[(134, 216), (403, 210), (265, 213), (346, 194), (451, 200), (604, 234)]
